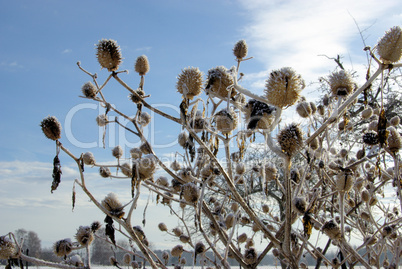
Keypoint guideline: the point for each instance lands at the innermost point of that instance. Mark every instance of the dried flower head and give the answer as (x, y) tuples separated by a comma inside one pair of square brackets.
[(184, 238), (63, 247), (219, 80), (290, 139), (117, 152), (269, 171), (75, 260), (51, 127), (95, 226), (370, 138), (389, 47), (345, 181), (190, 82), (141, 65), (199, 248), (139, 232), (332, 230), (108, 54), (367, 113), (258, 115), (127, 259), (146, 166), (182, 139), (240, 168), (88, 158), (145, 148), (177, 231), (89, 90), (177, 251), (395, 120), (190, 192), (300, 204), (341, 83), (84, 235), (229, 220), (394, 140), (283, 87), (242, 238), (175, 165), (104, 171), (240, 49), (304, 109), (101, 120), (7, 248), (162, 181), (250, 255), (126, 169), (162, 226), (112, 204), (226, 121), (137, 96), (144, 119)]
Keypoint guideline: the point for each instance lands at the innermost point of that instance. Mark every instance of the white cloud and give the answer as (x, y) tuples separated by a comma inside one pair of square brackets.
[(66, 51)]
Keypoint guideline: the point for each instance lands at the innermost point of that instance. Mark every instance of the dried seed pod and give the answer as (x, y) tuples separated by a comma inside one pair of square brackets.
[(313, 107), (95, 226), (190, 192), (177, 231), (89, 90), (126, 169), (304, 109), (219, 81), (300, 204), (395, 120), (51, 127), (190, 82), (250, 255), (295, 175), (141, 65), (88, 158), (275, 252), (242, 238), (258, 115), (162, 226), (341, 83), (265, 208), (240, 49), (63, 247), (394, 140), (84, 235), (166, 198), (184, 238), (104, 171), (240, 168), (332, 230), (163, 181), (226, 121), (370, 240), (370, 138), (117, 152), (144, 119), (183, 139), (101, 120), (177, 251), (137, 96), (139, 232), (135, 265), (290, 139), (321, 110), (367, 113), (314, 144), (365, 216), (270, 171), (255, 227), (75, 260), (127, 259), (234, 207), (108, 54), (283, 87), (345, 181), (112, 204), (146, 166), (175, 165), (8, 248), (245, 220), (389, 47), (373, 201), (249, 243), (343, 153)]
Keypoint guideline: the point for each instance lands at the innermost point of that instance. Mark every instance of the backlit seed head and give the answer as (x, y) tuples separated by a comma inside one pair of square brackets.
[(394, 140), (7, 248), (146, 166), (183, 139), (126, 169), (341, 83), (141, 65), (177, 251), (331, 229), (250, 256), (84, 235), (240, 49), (112, 204), (184, 238), (290, 139), (104, 171), (175, 165), (304, 109), (199, 248), (89, 90), (138, 97), (63, 247), (226, 121), (51, 127), (101, 120), (190, 82), (95, 226), (283, 87), (370, 138), (321, 110), (108, 54), (88, 158), (219, 80), (117, 152), (190, 192), (389, 47)]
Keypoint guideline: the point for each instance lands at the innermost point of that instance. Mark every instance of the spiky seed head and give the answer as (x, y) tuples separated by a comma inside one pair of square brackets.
[(137, 96), (270, 172), (177, 251), (51, 127), (367, 113), (63, 247), (166, 200), (332, 230), (108, 54), (394, 140), (304, 109), (126, 169), (190, 82), (88, 158), (341, 83), (147, 166), (242, 238), (95, 226), (258, 115), (144, 119), (89, 90), (395, 120), (104, 171), (177, 231), (250, 255), (190, 192), (389, 47), (240, 168), (117, 152), (370, 138), (145, 148), (184, 238), (7, 248), (142, 65), (183, 139), (175, 165), (101, 120), (290, 139), (218, 81), (283, 87), (226, 121), (345, 181), (300, 204), (240, 49), (135, 153), (112, 204), (84, 235), (127, 259)]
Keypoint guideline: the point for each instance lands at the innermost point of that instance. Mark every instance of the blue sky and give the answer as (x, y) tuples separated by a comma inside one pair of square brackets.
[(41, 41)]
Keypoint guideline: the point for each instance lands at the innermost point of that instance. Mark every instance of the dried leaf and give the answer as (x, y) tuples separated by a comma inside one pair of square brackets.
[(56, 173), (382, 129), (109, 230), (307, 225), (183, 111), (134, 179), (73, 197)]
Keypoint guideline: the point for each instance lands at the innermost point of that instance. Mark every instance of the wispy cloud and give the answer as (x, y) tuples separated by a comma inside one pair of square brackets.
[(66, 51)]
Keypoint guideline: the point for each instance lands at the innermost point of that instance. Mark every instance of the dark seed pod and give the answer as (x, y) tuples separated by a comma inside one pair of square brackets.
[(370, 138), (108, 54), (51, 127)]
